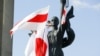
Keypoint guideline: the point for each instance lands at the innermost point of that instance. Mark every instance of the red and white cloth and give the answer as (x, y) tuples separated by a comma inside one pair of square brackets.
[(38, 43), (63, 15), (33, 21)]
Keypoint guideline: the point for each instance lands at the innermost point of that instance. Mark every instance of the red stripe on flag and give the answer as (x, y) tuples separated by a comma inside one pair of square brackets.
[(39, 18), (40, 47)]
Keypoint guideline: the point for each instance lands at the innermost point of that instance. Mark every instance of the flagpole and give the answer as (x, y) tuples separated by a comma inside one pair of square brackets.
[(63, 2)]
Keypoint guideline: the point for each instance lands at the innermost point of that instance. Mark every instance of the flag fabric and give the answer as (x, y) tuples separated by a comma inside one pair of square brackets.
[(63, 15), (32, 21), (29, 47), (38, 44), (41, 43)]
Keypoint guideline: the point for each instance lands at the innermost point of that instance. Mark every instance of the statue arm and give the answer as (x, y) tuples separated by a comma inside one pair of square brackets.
[(70, 33), (68, 40), (66, 27)]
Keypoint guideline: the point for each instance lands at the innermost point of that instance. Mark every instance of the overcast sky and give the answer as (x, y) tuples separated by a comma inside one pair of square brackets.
[(86, 25)]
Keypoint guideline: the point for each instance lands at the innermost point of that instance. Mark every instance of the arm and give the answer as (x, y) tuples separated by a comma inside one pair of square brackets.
[(68, 40), (70, 33)]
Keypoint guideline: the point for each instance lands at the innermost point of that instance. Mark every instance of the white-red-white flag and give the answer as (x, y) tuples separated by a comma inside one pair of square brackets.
[(64, 15), (38, 44), (30, 45), (41, 43), (33, 21)]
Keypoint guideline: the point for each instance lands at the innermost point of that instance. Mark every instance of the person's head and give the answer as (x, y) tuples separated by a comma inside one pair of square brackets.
[(53, 23)]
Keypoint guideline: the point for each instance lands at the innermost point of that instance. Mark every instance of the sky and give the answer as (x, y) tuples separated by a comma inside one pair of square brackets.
[(86, 25)]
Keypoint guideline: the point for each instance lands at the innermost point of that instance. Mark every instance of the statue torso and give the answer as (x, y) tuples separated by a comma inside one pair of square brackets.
[(52, 38)]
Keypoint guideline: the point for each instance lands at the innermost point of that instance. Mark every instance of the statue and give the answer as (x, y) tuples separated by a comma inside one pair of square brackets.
[(55, 36)]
